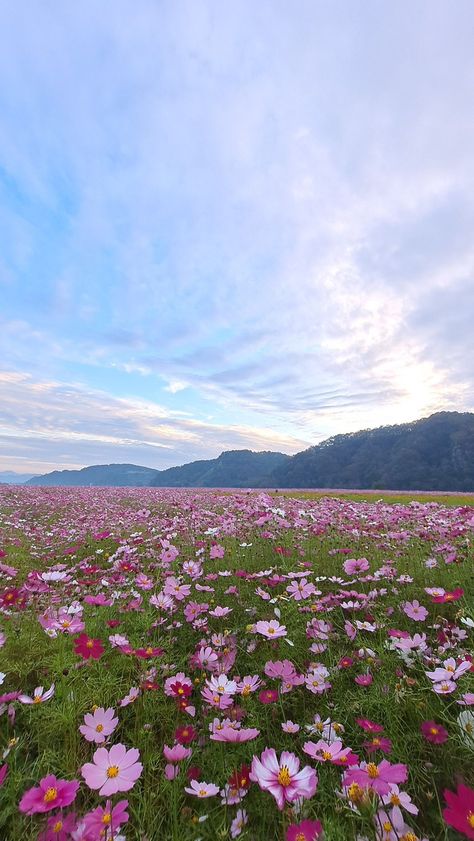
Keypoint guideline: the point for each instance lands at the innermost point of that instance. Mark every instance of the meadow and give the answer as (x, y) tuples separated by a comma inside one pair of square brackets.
[(198, 665)]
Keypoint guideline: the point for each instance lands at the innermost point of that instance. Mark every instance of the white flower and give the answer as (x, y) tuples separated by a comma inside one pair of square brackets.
[(466, 724)]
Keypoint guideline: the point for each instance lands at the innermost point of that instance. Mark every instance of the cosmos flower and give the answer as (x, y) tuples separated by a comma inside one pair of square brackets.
[(112, 770), (98, 725), (270, 630), (304, 831), (434, 732), (50, 794), (39, 696), (282, 777), (88, 648), (459, 812), (201, 789)]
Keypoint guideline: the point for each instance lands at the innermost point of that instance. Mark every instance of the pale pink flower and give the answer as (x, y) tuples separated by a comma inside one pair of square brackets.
[(39, 696), (326, 752), (449, 670), (282, 777), (354, 565), (201, 789), (230, 734), (271, 630), (98, 725), (220, 612), (414, 610), (290, 727), (113, 770), (301, 589), (237, 825), (132, 696), (248, 684)]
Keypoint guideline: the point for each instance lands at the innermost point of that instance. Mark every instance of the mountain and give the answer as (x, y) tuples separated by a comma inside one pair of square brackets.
[(100, 475), (232, 469), (11, 477), (435, 453)]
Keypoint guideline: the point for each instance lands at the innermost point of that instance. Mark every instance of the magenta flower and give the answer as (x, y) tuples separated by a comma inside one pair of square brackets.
[(3, 773), (112, 770), (433, 732), (104, 819), (59, 827), (50, 794), (268, 696), (370, 726), (282, 777), (376, 777), (460, 810), (98, 725), (364, 680), (304, 831)]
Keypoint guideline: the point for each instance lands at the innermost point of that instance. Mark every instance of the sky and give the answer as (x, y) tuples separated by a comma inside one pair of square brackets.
[(230, 225)]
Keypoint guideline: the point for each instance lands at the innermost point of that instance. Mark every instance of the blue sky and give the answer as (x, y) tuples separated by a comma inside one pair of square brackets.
[(228, 225)]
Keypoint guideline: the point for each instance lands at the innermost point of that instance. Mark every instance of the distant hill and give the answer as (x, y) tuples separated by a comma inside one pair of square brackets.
[(435, 453), (11, 477), (232, 469), (100, 475)]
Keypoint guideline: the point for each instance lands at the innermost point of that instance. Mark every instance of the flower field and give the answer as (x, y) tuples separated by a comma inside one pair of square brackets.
[(197, 664)]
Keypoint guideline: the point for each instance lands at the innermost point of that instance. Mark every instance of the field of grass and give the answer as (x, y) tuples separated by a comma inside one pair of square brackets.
[(216, 625)]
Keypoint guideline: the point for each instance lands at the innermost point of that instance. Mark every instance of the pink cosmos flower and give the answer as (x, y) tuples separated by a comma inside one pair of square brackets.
[(98, 725), (364, 680), (377, 777), (449, 670), (301, 589), (445, 687), (467, 700), (354, 565), (282, 777), (178, 686), (316, 681), (304, 831), (105, 819), (414, 610), (369, 726), (268, 696), (88, 648), (290, 727), (220, 612), (237, 825), (378, 743), (230, 734), (399, 800), (50, 794), (112, 770), (460, 810), (177, 753), (248, 684), (132, 696), (201, 789), (434, 732), (206, 657), (39, 696), (58, 827), (271, 630), (326, 752)]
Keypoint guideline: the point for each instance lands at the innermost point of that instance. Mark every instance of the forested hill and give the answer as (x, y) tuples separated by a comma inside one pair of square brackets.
[(232, 469), (435, 453)]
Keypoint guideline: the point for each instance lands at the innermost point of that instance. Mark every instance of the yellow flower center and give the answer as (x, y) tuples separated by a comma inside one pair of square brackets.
[(433, 731), (284, 776), (376, 741), (469, 727), (58, 826), (89, 644), (470, 819), (180, 691), (387, 826), (271, 631), (395, 800), (354, 792), (372, 770), (320, 726), (202, 792), (65, 624), (112, 771), (300, 836), (50, 795), (450, 669), (37, 699), (107, 818), (327, 754), (99, 728), (246, 690)]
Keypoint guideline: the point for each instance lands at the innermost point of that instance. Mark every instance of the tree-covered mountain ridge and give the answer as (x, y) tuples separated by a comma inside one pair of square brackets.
[(433, 453)]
